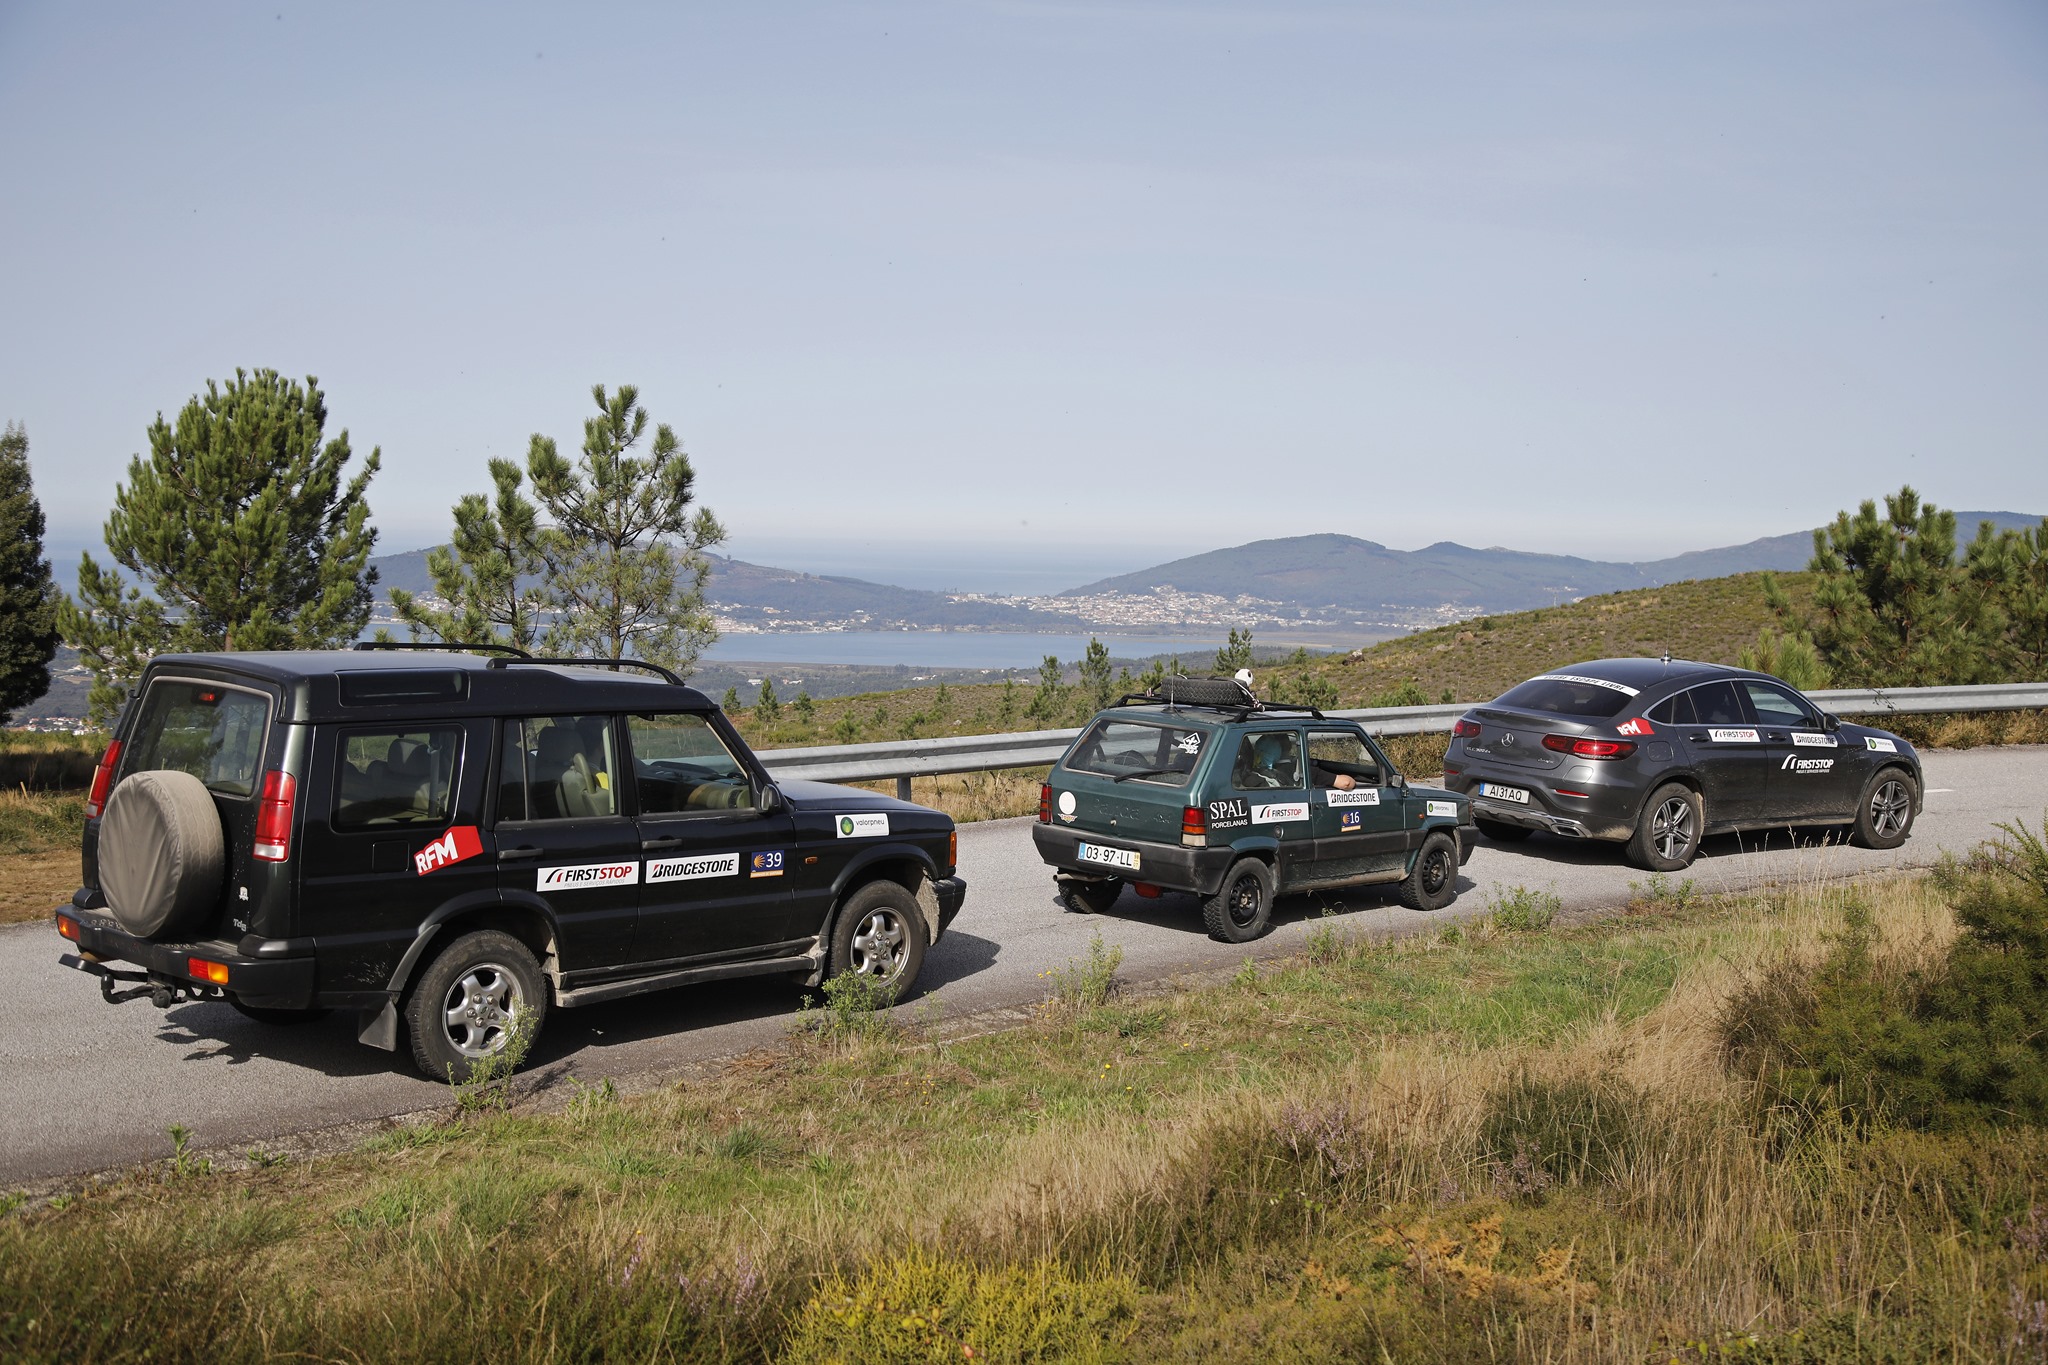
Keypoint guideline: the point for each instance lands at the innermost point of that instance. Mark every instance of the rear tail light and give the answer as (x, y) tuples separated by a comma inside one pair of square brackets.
[(274, 817), (1465, 729), (1045, 803), (202, 970), (1194, 826), (102, 781), (1589, 748)]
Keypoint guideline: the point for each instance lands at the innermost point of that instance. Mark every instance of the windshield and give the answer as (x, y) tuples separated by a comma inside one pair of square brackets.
[(1568, 695), (1140, 751), (214, 733)]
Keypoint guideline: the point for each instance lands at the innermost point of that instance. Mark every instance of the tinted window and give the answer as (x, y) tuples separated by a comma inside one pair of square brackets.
[(391, 777), (558, 768), (1567, 696), (1267, 761), (1775, 706), (680, 764), (1139, 750), (214, 733), (1331, 753), (1717, 704), (1675, 709)]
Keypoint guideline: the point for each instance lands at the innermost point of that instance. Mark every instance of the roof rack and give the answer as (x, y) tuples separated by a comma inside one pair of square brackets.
[(1223, 694), (443, 646), (614, 664)]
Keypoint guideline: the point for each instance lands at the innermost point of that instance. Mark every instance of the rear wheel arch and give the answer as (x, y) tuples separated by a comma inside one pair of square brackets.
[(528, 922)]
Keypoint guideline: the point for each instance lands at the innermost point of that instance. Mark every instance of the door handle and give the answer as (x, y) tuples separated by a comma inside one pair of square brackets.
[(1775, 737), (506, 855), (656, 845)]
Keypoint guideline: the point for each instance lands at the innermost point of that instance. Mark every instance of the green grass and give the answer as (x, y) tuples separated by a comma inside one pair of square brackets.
[(40, 822), (1516, 1145)]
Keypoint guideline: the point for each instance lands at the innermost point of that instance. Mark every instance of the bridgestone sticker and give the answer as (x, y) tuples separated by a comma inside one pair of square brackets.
[(1883, 746), (1229, 814), (862, 826), (586, 876), (1590, 682), (1443, 808), (1359, 796), (690, 869), (1807, 739), (1795, 764), (1273, 815), (1734, 736), (457, 845)]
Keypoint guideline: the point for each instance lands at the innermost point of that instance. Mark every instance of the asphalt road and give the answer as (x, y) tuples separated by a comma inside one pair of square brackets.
[(92, 1086)]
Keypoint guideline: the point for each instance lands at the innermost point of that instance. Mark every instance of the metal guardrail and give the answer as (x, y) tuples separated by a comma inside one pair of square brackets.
[(908, 758)]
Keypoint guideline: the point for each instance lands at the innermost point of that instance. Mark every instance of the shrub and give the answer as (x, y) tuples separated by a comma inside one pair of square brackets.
[(1576, 1130), (1090, 983), (1519, 910)]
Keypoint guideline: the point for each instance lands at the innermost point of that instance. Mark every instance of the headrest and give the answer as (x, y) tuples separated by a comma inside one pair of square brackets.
[(407, 759), (559, 745)]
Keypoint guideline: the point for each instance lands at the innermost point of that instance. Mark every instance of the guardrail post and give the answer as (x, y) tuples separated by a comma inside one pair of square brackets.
[(902, 789)]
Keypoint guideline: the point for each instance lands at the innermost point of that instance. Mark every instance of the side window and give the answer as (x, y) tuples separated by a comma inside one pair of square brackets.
[(681, 765), (1717, 704), (1775, 706), (395, 777), (1675, 709), (1267, 761), (1339, 753), (558, 768)]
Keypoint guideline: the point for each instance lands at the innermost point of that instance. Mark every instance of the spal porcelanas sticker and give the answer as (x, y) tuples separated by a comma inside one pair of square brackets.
[(1276, 814), (1883, 746), (1733, 736), (862, 826), (1808, 739), (1231, 813), (692, 868), (586, 876), (1443, 808), (1357, 796)]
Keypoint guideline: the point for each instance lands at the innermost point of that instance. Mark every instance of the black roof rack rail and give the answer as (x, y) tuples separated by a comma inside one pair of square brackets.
[(1221, 694), (614, 664), (443, 646)]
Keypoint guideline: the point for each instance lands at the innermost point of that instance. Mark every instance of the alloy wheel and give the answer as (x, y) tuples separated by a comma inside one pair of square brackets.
[(1890, 807), (479, 1008), (1671, 829), (879, 944)]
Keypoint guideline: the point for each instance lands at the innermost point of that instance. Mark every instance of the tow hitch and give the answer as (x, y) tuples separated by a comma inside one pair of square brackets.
[(163, 991)]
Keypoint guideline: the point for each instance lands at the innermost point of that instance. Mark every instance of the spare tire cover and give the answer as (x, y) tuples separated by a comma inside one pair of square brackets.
[(162, 853)]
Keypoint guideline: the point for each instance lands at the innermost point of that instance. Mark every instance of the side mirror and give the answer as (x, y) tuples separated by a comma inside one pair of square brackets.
[(771, 799), (1830, 722), (1397, 781)]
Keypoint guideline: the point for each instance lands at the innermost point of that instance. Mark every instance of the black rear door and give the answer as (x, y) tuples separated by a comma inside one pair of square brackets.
[(562, 838)]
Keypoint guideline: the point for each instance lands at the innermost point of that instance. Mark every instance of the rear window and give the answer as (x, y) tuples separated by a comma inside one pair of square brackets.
[(1566, 694), (213, 732), (388, 777), (1139, 750)]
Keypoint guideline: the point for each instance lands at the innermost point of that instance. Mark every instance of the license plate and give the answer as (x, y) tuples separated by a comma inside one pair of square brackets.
[(1125, 858), (1495, 790)]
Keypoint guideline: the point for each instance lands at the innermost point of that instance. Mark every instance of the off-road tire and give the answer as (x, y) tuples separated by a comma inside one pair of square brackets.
[(1242, 908), (1501, 832), (1432, 883), (279, 1018), (1090, 898), (472, 988), (163, 853), (880, 933), (1884, 812), (1668, 829)]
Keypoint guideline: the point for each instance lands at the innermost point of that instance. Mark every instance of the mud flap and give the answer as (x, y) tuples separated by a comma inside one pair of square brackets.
[(379, 1027)]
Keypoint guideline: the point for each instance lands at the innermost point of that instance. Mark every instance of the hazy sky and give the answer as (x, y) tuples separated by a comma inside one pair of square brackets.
[(1060, 286)]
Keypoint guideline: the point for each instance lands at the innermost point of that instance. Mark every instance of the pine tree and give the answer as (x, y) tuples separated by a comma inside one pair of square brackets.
[(730, 702), (479, 573), (769, 706), (1050, 699), (626, 569), (240, 532), (806, 709), (28, 595), (1236, 653), (1098, 684)]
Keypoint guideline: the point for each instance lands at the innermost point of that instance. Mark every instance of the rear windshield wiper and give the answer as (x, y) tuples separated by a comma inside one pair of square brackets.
[(1144, 772)]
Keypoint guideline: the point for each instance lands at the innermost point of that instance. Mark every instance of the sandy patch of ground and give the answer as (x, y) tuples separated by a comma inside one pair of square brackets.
[(33, 884)]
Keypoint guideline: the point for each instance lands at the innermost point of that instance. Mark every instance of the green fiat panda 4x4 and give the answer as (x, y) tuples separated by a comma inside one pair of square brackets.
[(1202, 788)]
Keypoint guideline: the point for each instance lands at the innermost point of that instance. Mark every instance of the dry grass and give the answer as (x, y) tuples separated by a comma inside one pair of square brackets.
[(1505, 1146)]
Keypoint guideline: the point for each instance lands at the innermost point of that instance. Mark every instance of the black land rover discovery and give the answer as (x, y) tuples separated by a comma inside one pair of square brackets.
[(449, 843)]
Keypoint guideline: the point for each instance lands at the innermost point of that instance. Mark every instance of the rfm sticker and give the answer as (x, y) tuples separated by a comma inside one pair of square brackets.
[(457, 845), (1639, 726)]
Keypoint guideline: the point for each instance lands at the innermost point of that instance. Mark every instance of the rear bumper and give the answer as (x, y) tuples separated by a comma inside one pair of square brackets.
[(1171, 866), (1588, 818), (274, 980)]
